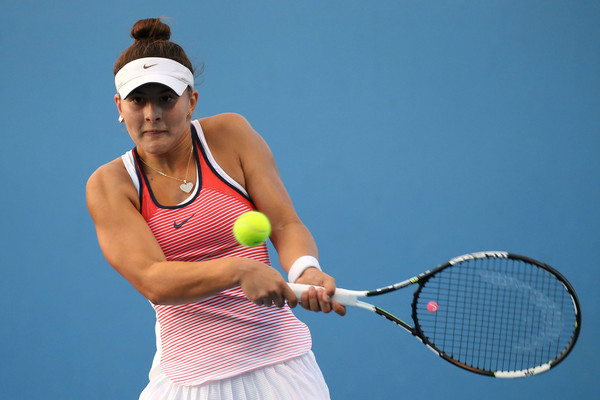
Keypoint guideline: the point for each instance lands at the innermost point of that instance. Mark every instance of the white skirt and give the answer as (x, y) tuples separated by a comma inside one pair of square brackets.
[(297, 379)]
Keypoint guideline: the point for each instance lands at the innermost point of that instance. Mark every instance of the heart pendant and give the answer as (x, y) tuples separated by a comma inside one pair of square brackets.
[(186, 187)]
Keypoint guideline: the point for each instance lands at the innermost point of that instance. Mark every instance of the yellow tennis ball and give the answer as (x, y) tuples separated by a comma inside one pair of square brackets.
[(252, 228)]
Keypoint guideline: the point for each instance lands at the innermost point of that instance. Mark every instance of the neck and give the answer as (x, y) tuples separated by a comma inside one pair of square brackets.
[(173, 160), (180, 169)]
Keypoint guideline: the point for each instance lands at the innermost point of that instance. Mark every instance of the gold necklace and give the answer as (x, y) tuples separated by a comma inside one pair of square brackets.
[(185, 186)]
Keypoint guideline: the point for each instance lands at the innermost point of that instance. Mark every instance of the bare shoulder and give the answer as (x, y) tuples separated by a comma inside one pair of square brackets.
[(235, 145), (107, 174), (228, 127), (228, 121), (108, 182)]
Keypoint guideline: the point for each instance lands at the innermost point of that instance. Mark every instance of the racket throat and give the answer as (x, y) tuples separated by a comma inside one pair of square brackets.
[(395, 320)]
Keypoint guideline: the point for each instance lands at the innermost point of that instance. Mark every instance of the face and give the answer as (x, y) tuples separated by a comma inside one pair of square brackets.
[(156, 118)]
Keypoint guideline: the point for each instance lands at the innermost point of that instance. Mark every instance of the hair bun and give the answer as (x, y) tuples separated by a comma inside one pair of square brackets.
[(150, 29)]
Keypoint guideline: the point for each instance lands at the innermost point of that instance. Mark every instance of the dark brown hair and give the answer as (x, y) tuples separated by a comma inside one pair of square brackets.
[(151, 39)]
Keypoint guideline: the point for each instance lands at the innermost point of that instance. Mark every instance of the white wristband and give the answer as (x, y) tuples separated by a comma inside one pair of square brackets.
[(300, 265)]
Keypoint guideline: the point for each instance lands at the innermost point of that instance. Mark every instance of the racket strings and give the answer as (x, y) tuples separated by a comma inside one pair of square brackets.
[(497, 314)]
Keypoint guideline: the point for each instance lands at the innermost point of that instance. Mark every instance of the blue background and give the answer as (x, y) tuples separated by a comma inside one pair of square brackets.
[(407, 132)]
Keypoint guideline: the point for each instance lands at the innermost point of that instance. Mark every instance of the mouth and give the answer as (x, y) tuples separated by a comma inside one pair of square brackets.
[(154, 132)]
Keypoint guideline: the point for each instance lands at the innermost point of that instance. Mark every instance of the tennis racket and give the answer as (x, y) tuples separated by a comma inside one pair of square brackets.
[(493, 313)]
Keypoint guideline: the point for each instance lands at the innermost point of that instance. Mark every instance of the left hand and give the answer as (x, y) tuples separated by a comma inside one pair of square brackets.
[(319, 299)]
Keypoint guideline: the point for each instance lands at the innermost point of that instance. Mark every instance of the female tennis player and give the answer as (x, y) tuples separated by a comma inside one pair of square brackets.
[(164, 213)]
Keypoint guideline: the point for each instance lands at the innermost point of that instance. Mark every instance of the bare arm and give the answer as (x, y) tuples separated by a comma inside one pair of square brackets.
[(130, 247), (259, 175)]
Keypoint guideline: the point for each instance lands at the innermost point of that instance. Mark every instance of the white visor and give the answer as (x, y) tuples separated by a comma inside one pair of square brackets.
[(153, 70)]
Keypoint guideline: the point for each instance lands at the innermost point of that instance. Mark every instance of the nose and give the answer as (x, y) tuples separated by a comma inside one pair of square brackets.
[(152, 112)]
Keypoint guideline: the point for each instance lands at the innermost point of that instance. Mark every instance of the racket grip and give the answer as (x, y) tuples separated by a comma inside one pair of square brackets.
[(343, 296)]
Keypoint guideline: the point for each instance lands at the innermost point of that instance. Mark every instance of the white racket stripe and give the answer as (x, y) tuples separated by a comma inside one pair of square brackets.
[(523, 373)]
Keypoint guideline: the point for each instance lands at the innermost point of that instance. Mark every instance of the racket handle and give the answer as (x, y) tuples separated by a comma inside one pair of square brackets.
[(343, 296)]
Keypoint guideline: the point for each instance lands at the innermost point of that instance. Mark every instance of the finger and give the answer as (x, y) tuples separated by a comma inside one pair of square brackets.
[(313, 299), (279, 301), (290, 296), (263, 303), (266, 301), (324, 301), (304, 300), (338, 308), (330, 286)]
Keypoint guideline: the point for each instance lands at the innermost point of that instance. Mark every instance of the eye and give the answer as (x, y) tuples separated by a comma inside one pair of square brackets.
[(137, 99), (168, 98)]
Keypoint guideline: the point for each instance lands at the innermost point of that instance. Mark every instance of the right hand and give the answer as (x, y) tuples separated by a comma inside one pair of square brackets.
[(319, 299)]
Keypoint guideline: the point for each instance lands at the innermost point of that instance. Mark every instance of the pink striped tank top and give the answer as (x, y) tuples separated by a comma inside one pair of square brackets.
[(227, 334)]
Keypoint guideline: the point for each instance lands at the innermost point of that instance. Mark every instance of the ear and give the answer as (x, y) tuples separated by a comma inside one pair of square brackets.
[(193, 103), (118, 103)]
